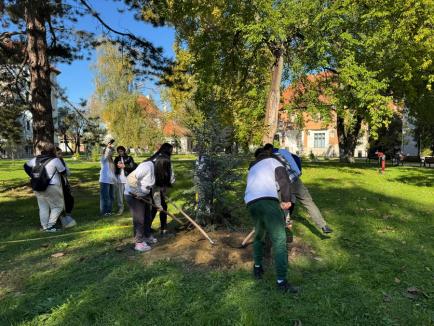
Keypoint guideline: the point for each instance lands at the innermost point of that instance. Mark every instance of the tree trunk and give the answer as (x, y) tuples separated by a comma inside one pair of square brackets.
[(77, 144), (39, 69), (273, 100), (348, 138)]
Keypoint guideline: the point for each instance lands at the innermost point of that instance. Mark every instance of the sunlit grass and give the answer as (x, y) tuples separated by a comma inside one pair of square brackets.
[(382, 245)]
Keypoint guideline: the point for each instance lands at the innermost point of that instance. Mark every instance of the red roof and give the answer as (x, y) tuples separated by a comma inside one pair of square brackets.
[(148, 106), (172, 128)]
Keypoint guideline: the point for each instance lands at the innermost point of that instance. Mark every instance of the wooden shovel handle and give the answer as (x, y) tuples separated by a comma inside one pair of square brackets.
[(191, 221)]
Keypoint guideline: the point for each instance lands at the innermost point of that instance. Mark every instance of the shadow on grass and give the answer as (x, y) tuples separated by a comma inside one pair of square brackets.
[(353, 282), (420, 177)]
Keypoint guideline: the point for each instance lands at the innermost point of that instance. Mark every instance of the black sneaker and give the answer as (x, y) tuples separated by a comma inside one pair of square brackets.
[(326, 229), (258, 272), (286, 287)]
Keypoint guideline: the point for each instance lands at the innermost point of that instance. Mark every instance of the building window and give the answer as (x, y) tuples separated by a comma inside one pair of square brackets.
[(319, 140)]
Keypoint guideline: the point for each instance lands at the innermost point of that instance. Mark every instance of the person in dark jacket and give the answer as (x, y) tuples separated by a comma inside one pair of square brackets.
[(266, 178), (159, 192), (124, 165)]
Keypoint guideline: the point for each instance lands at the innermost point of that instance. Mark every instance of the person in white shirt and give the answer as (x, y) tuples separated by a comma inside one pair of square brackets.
[(138, 191), (107, 180), (50, 201)]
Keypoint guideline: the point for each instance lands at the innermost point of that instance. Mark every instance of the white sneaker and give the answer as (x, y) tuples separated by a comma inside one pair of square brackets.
[(68, 221), (51, 229), (142, 247), (151, 240)]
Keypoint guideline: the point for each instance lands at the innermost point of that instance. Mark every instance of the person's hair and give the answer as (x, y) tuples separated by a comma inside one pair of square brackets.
[(48, 149), (165, 149), (268, 147), (122, 148), (163, 171), (258, 152)]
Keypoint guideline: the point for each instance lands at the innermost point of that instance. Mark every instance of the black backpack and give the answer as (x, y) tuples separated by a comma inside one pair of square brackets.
[(39, 176)]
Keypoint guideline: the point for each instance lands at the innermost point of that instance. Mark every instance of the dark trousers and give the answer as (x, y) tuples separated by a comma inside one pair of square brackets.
[(67, 197), (69, 201), (268, 218), (106, 197), (163, 216), (142, 221)]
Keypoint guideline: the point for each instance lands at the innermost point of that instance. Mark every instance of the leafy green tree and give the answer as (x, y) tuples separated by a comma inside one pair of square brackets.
[(132, 124), (38, 33)]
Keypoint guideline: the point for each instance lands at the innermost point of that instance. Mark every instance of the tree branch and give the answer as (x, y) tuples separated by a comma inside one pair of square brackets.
[(128, 34)]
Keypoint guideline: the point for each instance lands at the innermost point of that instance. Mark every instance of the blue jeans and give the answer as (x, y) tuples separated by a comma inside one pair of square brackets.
[(106, 197)]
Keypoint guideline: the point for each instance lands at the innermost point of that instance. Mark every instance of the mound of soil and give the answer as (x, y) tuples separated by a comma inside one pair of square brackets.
[(192, 247)]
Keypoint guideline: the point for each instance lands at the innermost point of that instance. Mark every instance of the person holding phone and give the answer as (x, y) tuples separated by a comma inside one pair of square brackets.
[(107, 180)]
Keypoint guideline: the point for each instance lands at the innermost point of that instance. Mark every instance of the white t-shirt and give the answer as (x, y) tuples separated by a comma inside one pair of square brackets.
[(145, 178), (54, 167), (121, 177), (261, 180)]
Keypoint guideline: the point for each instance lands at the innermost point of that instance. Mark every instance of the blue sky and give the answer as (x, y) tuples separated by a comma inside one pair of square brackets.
[(77, 77)]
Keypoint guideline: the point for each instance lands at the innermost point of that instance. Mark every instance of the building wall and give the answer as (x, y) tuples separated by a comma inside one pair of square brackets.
[(319, 138)]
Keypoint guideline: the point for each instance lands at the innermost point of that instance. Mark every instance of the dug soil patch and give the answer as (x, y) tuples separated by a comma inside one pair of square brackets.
[(193, 248)]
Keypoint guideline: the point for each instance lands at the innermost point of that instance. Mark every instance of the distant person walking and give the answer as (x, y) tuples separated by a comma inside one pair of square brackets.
[(382, 158), (45, 171), (266, 177), (67, 220), (138, 195), (107, 180), (124, 165), (300, 191)]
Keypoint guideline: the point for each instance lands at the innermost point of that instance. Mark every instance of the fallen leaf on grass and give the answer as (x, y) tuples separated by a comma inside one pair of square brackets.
[(397, 280), (414, 293), (370, 209), (387, 297), (57, 255), (45, 245), (298, 323)]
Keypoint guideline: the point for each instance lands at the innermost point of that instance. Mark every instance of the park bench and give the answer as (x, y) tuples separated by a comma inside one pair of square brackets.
[(410, 159), (427, 160)]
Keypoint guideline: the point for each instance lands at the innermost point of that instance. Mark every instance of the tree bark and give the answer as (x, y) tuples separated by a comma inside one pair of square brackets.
[(273, 100), (39, 69), (348, 138)]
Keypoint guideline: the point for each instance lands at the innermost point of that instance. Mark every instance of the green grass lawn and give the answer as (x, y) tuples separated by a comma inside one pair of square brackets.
[(382, 246)]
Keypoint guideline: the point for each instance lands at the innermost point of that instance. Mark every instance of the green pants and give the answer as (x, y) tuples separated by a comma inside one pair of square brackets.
[(268, 218)]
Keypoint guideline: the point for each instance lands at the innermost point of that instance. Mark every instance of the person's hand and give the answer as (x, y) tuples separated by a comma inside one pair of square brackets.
[(121, 165), (285, 205)]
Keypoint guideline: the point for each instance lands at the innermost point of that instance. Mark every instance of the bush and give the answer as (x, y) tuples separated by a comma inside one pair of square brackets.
[(95, 154), (76, 156)]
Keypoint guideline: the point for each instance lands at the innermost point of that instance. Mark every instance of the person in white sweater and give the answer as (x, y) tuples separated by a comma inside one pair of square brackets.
[(138, 195)]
